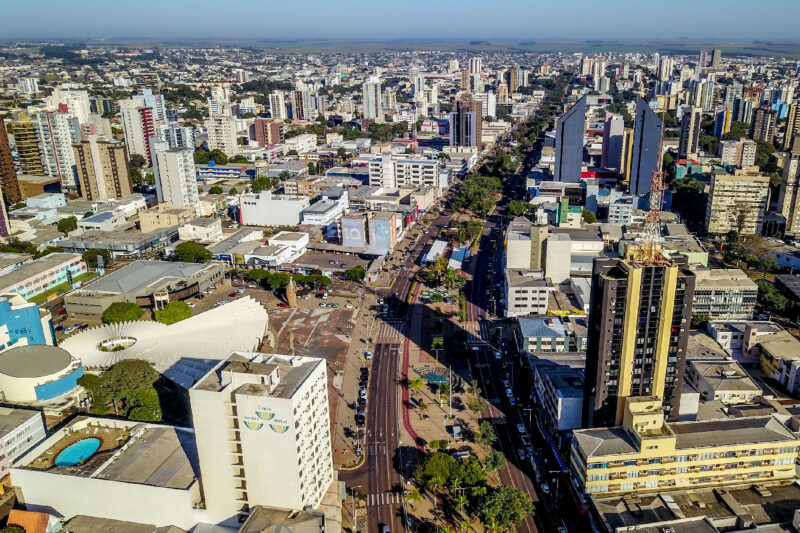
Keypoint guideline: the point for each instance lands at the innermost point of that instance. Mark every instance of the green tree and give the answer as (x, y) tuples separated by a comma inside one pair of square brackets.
[(239, 160), (122, 312), (174, 312), (12, 529), (233, 191), (519, 207), (356, 273), (486, 435), (414, 496), (257, 274), (137, 161), (589, 217), (90, 257), (437, 469), (770, 299), (277, 280), (215, 189), (505, 506), (262, 183), (416, 384), (191, 252), (469, 473), (203, 158), (495, 461), (65, 225), (700, 321)]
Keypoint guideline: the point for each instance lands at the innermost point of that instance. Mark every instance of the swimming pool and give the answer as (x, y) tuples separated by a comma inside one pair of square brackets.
[(77, 452)]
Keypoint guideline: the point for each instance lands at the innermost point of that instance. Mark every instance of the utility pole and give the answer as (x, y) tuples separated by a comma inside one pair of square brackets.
[(353, 507)]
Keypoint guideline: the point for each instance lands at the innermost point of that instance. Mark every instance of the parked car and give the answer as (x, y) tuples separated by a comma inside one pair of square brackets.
[(521, 428), (368, 355), (281, 304), (521, 453)]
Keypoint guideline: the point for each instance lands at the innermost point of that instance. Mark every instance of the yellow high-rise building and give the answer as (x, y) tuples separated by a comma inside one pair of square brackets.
[(30, 159)]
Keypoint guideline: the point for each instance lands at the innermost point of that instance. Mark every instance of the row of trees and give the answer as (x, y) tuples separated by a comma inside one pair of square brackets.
[(478, 194), (279, 280)]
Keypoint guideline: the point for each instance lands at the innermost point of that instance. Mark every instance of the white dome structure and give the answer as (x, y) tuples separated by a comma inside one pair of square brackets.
[(185, 351)]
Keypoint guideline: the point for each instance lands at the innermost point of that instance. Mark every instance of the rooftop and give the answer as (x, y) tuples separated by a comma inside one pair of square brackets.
[(723, 278), (148, 276), (12, 418), (289, 236), (733, 432), (10, 258), (724, 375), (517, 277), (34, 268), (291, 371), (34, 361)]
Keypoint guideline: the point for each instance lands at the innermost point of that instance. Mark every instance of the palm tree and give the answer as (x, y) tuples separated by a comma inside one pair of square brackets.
[(463, 526), (414, 496), (460, 501), (442, 157), (416, 384)]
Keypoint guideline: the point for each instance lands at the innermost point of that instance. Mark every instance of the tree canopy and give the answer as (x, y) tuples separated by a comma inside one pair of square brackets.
[(191, 252), (90, 257), (174, 312), (356, 273), (122, 312), (131, 382), (65, 225), (505, 507), (218, 156)]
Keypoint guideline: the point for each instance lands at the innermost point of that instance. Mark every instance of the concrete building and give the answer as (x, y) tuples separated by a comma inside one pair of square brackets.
[(176, 182), (20, 430), (121, 244), (176, 135), (690, 133), (28, 153), (789, 195), (8, 173), (259, 413), (734, 196), (551, 334), (203, 230), (42, 274), (303, 143), (266, 209), (612, 142), (723, 293), (558, 390), (138, 124), (164, 216), (792, 125), (371, 98), (525, 244), (105, 221), (268, 132), (526, 291), (569, 143), (646, 454), (466, 122), (741, 153), (22, 323), (222, 134), (393, 172), (636, 350), (56, 133), (646, 149), (740, 339), (762, 128), (151, 284), (277, 105), (724, 381), (102, 169), (34, 375)]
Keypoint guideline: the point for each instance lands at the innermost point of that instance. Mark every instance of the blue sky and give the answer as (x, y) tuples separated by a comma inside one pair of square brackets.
[(697, 20)]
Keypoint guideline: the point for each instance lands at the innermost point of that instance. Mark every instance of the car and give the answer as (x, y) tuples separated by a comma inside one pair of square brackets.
[(323, 304), (526, 440), (506, 383), (59, 329), (232, 295), (281, 304), (348, 306), (498, 355), (529, 450), (343, 265), (190, 304), (359, 420), (521, 428), (367, 355), (521, 453), (509, 392), (323, 295), (561, 529), (385, 529), (333, 304), (213, 286), (201, 296), (362, 393), (545, 488), (252, 286)]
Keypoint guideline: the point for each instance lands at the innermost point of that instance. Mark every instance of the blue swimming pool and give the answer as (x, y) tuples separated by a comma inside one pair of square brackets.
[(77, 452)]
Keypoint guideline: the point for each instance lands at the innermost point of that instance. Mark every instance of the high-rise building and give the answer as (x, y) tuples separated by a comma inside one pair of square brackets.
[(301, 104), (176, 181), (703, 59), (274, 411), (464, 83), (466, 122), (138, 124), (28, 154), (277, 105), (154, 101), (268, 132), (389, 99), (371, 98), (56, 132), (741, 153), (722, 122), (73, 101), (690, 133), (5, 230), (511, 80), (743, 110), (646, 150), (639, 320), (176, 135), (222, 134), (736, 202), (488, 102), (475, 65), (569, 143), (612, 142), (732, 92), (8, 173), (789, 196), (716, 58), (102, 168), (28, 85), (502, 93), (792, 125), (763, 126)]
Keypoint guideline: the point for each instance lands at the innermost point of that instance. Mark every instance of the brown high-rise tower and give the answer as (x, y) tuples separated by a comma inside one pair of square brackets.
[(8, 174)]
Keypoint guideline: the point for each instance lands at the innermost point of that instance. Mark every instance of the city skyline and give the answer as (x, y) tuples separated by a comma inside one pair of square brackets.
[(310, 19)]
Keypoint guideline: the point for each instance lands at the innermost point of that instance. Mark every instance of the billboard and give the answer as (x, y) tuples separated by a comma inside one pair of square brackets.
[(354, 231), (380, 233)]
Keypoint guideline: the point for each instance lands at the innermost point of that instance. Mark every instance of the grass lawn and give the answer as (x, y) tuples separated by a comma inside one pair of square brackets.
[(62, 288)]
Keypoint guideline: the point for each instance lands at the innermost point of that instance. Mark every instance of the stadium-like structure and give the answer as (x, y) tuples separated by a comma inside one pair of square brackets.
[(185, 351)]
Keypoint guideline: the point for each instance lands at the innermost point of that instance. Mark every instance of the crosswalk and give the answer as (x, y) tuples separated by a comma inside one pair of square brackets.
[(478, 332), (384, 498), (389, 330)]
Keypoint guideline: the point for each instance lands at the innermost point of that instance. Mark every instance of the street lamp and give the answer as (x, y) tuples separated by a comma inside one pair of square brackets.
[(353, 507)]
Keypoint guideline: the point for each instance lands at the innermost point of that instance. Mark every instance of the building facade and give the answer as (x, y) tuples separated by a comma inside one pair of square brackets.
[(222, 134), (736, 203), (646, 150), (176, 182), (8, 173), (102, 169), (569, 143), (724, 293)]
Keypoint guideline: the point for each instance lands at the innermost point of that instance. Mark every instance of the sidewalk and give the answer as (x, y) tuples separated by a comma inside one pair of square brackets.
[(346, 383)]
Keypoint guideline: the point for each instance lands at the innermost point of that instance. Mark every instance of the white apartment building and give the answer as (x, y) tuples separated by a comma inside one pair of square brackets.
[(724, 293), (277, 105), (295, 241), (733, 195), (266, 209), (77, 102), (56, 133), (137, 124), (371, 98), (222, 134), (176, 135), (28, 85), (263, 433), (304, 143), (20, 430), (205, 230), (394, 171), (176, 182), (488, 102), (527, 292)]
